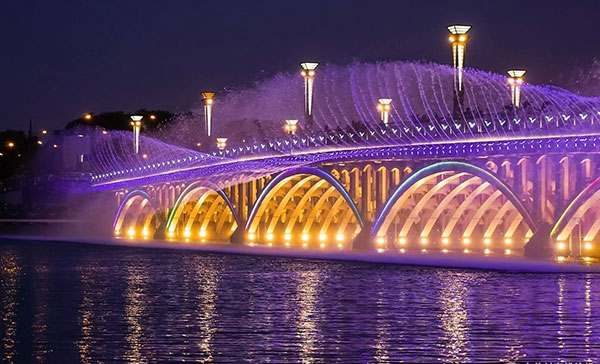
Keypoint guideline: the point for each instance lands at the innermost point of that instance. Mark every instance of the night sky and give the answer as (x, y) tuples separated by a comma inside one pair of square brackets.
[(63, 58)]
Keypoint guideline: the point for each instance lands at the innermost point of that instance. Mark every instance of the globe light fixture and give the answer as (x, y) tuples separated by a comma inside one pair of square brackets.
[(208, 98), (384, 106), (515, 80), (136, 123)]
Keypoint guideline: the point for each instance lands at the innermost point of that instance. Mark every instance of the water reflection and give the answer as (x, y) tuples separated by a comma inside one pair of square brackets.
[(454, 316), (11, 271), (306, 325), (135, 306), (103, 305)]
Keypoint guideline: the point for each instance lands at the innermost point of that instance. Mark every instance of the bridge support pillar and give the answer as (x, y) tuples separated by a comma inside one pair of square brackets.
[(239, 235), (363, 241), (540, 244)]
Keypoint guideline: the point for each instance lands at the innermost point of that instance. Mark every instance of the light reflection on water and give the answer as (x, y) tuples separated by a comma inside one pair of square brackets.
[(69, 303)]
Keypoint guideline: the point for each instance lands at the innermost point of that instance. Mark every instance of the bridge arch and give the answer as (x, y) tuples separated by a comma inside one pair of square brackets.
[(435, 189), (577, 227), (136, 216), (202, 211), (307, 206)]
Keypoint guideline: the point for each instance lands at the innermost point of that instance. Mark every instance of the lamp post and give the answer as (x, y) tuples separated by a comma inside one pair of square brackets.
[(208, 98), (221, 143), (137, 125), (384, 106), (515, 80), (308, 73), (458, 39), (291, 126)]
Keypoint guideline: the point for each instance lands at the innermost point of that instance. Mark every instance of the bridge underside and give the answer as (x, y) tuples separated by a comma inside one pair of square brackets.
[(488, 208)]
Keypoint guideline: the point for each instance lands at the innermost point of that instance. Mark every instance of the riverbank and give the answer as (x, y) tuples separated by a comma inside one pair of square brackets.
[(461, 261)]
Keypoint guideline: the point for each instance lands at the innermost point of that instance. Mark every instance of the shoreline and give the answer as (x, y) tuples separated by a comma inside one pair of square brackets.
[(437, 260)]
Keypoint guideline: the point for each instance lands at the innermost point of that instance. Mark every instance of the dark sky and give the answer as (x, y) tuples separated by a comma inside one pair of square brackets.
[(62, 58)]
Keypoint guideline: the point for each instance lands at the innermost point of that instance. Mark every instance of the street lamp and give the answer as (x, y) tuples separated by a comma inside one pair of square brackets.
[(515, 80), (458, 38), (384, 106), (208, 98), (137, 125), (10, 144), (308, 73), (221, 143)]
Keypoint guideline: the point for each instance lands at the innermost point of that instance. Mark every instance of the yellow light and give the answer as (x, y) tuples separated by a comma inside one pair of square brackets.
[(251, 244), (304, 245), (444, 251), (487, 241), (462, 38), (311, 73), (507, 252), (55, 146), (287, 244), (466, 251), (153, 117), (187, 233), (587, 259), (486, 251), (322, 245), (560, 259), (117, 232), (39, 142), (508, 241), (145, 233), (402, 250), (10, 144), (269, 236), (87, 116), (269, 244), (466, 241), (171, 234), (104, 132), (588, 246), (423, 241), (251, 236), (380, 250), (203, 233), (44, 132), (145, 156), (340, 245), (451, 38), (561, 246), (445, 241), (380, 240), (303, 74), (402, 241), (340, 237), (287, 237), (304, 237), (131, 233), (322, 237), (423, 250)]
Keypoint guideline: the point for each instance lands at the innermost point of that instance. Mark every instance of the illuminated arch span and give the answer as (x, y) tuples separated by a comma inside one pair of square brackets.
[(382, 221), (202, 189), (138, 200), (285, 176), (576, 209)]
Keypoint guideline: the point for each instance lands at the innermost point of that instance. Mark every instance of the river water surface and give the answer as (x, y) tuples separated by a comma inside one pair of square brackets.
[(68, 303)]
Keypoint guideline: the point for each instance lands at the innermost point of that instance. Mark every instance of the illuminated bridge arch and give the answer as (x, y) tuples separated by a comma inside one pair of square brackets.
[(136, 216), (577, 227), (203, 212), (304, 206), (453, 206)]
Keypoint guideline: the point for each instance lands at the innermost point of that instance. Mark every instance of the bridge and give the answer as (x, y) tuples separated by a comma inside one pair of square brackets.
[(477, 197), (483, 177)]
